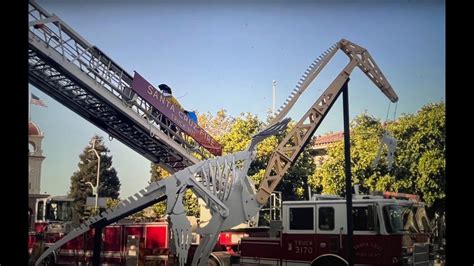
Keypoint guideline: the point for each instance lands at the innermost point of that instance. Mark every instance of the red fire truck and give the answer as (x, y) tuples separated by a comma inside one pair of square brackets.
[(124, 243), (392, 229), (52, 217), (387, 231)]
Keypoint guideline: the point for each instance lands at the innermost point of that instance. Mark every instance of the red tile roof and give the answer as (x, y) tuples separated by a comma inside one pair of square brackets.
[(329, 138)]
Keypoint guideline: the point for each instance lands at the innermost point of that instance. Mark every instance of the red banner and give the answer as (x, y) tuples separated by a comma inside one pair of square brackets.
[(173, 113)]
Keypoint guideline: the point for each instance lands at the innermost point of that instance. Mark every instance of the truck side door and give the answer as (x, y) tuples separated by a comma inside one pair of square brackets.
[(331, 228)]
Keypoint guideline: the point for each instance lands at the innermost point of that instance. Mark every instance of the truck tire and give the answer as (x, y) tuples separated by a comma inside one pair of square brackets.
[(212, 261), (49, 261), (329, 260)]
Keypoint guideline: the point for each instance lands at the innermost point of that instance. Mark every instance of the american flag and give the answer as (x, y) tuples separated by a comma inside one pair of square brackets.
[(36, 100)]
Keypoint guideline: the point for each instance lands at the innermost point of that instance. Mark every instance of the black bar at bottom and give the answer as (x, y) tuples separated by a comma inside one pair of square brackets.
[(347, 159)]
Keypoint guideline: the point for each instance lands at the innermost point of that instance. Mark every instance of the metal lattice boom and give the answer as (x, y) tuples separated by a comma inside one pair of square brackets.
[(293, 144)]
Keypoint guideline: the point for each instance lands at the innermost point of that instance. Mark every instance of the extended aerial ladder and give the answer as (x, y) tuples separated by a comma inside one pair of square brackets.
[(72, 71), (79, 75)]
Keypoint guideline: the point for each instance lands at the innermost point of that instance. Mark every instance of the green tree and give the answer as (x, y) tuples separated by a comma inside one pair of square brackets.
[(109, 183), (422, 154), (238, 137), (157, 174), (329, 178), (294, 182), (216, 125), (419, 165)]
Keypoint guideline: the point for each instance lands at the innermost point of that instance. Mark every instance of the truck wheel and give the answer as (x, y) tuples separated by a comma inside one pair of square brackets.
[(212, 262), (49, 261), (329, 261)]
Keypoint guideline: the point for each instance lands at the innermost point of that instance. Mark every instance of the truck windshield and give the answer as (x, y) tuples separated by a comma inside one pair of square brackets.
[(398, 219), (59, 211), (422, 220)]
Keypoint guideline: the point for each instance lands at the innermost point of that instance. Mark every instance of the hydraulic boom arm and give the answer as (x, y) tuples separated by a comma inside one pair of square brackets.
[(291, 146)]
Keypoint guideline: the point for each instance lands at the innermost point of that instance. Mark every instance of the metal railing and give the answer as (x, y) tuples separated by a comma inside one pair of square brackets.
[(78, 73)]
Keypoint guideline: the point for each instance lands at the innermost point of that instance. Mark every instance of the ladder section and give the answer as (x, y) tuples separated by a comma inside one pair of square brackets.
[(83, 78)]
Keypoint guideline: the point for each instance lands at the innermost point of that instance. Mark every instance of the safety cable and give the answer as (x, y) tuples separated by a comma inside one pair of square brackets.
[(395, 112), (388, 111)]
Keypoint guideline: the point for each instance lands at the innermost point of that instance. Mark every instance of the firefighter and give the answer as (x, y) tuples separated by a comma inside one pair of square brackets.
[(166, 91), (38, 248)]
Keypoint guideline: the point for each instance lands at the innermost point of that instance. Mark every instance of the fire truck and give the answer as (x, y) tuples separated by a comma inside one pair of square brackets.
[(52, 212), (53, 218), (124, 243), (387, 231)]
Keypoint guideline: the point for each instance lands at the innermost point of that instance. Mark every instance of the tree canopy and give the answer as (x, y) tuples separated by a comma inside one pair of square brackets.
[(109, 183), (242, 128), (419, 167)]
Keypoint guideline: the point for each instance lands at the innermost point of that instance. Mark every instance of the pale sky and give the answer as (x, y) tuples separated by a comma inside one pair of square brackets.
[(218, 55)]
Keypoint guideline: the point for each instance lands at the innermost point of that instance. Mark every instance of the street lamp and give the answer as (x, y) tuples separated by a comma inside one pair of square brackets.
[(95, 189), (273, 98)]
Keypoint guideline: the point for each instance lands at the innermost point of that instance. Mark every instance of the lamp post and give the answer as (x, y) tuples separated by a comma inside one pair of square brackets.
[(95, 189), (273, 98)]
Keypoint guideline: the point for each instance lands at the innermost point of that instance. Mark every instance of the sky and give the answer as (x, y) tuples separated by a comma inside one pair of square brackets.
[(222, 55)]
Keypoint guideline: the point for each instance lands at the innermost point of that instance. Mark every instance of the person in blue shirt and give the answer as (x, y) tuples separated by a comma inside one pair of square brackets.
[(192, 116)]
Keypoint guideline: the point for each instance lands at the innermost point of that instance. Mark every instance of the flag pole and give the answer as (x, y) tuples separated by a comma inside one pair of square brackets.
[(29, 106)]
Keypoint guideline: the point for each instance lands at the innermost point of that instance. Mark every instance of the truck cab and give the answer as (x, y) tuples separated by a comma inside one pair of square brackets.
[(54, 214), (387, 231)]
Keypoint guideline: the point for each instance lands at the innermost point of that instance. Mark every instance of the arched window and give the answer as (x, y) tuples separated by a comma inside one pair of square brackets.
[(31, 147)]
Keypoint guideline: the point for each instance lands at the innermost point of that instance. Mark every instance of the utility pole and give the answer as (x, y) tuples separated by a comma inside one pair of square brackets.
[(347, 168), (274, 95)]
